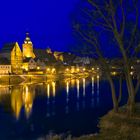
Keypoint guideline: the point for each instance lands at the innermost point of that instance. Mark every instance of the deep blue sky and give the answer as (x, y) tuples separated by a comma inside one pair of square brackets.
[(48, 21)]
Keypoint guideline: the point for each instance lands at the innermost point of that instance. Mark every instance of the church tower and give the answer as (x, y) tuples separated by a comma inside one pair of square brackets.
[(28, 47)]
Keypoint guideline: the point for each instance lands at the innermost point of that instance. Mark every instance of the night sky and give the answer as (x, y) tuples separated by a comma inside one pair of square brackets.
[(49, 22)]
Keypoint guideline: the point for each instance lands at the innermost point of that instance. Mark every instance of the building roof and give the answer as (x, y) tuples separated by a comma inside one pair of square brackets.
[(8, 47), (36, 59), (27, 59), (4, 61), (43, 55), (40, 53)]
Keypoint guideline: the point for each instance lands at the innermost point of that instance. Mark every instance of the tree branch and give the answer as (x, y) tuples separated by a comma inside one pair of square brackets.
[(132, 38), (123, 19), (100, 12)]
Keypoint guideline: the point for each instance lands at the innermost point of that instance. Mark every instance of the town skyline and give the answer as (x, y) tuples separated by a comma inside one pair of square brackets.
[(49, 24)]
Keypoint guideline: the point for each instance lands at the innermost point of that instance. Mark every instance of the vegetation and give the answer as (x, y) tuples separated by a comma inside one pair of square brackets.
[(111, 18), (113, 126)]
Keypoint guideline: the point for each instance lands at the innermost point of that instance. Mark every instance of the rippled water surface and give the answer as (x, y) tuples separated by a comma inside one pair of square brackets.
[(70, 106)]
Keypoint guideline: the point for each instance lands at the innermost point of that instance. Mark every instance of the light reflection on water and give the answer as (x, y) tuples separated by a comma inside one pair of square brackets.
[(58, 97), (23, 96)]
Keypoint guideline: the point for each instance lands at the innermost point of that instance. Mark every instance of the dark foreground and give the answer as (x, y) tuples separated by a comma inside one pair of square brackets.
[(112, 127)]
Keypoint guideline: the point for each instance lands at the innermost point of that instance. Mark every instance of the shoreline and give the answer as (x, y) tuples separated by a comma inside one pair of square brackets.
[(12, 80)]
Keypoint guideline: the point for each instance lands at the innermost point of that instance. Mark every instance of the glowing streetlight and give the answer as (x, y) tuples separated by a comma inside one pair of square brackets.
[(131, 73), (38, 68), (84, 69), (78, 70), (48, 69), (114, 73), (53, 70)]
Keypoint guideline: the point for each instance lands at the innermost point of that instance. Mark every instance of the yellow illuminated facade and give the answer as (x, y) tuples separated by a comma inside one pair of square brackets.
[(28, 47), (58, 56), (16, 59)]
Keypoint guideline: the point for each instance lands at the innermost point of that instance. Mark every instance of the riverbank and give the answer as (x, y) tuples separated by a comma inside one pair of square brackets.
[(118, 126), (18, 79), (112, 127)]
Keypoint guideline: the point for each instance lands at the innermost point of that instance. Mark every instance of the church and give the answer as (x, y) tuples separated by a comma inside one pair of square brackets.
[(26, 59), (15, 55)]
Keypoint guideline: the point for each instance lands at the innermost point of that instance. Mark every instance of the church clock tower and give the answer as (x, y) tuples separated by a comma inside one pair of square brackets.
[(28, 47)]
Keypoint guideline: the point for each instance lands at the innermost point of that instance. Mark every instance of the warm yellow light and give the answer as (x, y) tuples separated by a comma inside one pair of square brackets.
[(53, 70), (78, 69), (98, 76), (131, 73), (92, 68), (98, 68), (114, 73), (67, 69), (84, 69), (38, 68), (72, 70), (53, 88), (132, 67), (48, 69)]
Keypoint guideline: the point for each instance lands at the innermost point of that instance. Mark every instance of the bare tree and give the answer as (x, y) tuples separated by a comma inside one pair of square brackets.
[(103, 14)]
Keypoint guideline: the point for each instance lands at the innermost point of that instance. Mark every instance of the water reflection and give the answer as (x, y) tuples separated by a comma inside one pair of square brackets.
[(92, 99), (84, 86), (78, 88), (54, 94), (67, 96), (23, 96), (98, 86)]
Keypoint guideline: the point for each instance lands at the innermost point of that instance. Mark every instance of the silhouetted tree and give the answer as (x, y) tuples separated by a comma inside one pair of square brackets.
[(119, 19)]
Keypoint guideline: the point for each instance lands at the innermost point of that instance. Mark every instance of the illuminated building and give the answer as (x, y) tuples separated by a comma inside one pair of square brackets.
[(13, 53), (28, 47), (49, 51), (58, 56), (29, 64), (5, 66)]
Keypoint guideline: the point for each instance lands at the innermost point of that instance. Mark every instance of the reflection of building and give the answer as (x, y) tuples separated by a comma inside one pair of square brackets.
[(28, 47), (16, 100), (13, 53), (28, 97), (22, 97)]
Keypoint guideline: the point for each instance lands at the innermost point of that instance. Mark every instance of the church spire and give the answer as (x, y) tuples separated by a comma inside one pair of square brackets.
[(27, 39)]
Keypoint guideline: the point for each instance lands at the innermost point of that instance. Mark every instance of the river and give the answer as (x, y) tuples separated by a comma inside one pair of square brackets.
[(72, 106)]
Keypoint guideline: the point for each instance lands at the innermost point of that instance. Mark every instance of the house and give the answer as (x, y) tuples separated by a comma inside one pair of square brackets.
[(40, 64), (58, 56), (82, 61), (29, 64), (5, 66), (68, 58), (13, 53)]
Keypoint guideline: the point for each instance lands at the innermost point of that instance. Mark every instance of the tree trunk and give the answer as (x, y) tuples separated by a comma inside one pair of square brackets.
[(120, 90), (114, 98), (129, 81)]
